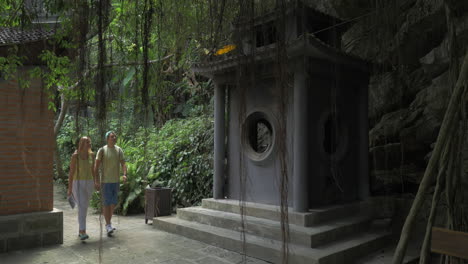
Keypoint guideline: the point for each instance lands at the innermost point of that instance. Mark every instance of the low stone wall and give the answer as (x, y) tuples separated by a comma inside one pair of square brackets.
[(30, 230)]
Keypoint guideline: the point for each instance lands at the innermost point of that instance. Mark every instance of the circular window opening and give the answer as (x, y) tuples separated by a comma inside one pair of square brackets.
[(258, 136), (330, 139), (333, 136)]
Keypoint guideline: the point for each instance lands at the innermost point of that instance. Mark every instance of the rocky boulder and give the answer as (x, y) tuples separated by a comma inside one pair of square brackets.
[(403, 137), (407, 43)]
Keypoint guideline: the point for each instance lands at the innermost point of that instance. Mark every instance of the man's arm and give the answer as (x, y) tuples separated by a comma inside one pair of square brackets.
[(124, 169), (97, 164), (96, 174)]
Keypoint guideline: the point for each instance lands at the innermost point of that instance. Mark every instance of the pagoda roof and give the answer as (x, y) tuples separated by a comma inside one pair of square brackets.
[(307, 45)]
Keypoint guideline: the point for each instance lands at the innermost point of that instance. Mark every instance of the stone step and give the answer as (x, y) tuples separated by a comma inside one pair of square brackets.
[(313, 217), (343, 251), (385, 256), (306, 236)]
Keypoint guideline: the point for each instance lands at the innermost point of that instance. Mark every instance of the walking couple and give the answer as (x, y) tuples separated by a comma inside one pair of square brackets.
[(84, 178)]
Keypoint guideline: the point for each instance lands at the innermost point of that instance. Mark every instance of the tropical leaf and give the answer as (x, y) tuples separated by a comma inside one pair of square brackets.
[(129, 76), (130, 198)]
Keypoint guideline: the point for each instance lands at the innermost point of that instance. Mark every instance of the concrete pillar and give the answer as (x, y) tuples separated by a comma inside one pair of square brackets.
[(300, 145), (364, 187), (219, 137)]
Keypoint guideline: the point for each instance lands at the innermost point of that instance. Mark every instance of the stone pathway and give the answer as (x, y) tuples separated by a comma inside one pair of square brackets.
[(134, 242)]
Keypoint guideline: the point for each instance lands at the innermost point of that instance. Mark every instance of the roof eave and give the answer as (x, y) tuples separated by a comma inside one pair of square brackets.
[(305, 45)]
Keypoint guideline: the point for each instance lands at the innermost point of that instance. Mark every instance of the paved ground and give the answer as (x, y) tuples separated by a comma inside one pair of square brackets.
[(134, 242)]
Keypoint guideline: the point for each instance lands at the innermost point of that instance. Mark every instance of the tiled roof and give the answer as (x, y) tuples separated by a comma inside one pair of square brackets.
[(9, 36)]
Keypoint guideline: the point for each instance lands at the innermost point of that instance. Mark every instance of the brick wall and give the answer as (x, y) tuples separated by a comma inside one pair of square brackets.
[(26, 148)]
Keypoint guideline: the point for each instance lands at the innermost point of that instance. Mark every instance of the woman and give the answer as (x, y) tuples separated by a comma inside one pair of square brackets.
[(81, 181)]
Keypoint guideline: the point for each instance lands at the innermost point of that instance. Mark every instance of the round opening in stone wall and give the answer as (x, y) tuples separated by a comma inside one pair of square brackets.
[(330, 139), (258, 136), (333, 136)]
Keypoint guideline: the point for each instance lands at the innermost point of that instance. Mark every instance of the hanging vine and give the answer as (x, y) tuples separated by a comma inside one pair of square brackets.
[(147, 23), (283, 86), (243, 84), (102, 16)]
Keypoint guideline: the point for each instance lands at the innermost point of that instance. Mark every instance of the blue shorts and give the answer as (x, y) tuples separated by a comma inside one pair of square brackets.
[(109, 193)]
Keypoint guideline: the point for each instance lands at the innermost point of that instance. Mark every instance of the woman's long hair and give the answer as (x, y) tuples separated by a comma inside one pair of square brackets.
[(82, 146)]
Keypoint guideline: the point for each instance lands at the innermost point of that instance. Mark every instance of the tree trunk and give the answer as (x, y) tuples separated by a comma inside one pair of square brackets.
[(58, 163), (425, 250), (449, 124), (58, 124)]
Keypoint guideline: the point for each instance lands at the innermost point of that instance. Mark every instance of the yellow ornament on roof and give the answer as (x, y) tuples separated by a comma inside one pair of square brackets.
[(225, 49)]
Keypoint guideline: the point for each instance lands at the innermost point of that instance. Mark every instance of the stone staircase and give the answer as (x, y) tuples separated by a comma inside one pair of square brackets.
[(334, 234)]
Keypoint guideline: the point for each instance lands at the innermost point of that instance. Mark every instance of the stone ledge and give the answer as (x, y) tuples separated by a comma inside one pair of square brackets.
[(30, 230)]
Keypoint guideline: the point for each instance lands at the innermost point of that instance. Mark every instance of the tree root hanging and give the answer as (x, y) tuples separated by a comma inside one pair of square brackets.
[(450, 123)]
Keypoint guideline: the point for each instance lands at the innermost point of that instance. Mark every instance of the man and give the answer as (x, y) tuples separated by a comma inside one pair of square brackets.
[(110, 156)]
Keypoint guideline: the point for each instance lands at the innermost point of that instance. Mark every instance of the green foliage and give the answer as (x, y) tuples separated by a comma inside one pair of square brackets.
[(179, 154), (96, 201), (9, 64), (184, 159), (58, 70), (57, 74), (66, 140), (14, 13), (132, 192)]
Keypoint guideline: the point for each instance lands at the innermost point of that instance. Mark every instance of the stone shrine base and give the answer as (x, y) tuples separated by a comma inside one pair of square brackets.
[(29, 230)]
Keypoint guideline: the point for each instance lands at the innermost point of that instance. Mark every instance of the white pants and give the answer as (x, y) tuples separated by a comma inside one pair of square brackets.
[(82, 192)]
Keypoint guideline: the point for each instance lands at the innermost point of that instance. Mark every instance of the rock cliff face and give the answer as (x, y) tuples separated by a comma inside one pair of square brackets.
[(408, 43)]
